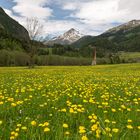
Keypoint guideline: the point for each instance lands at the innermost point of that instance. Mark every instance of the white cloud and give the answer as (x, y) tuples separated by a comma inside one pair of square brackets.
[(97, 12), (32, 8), (100, 14), (70, 6), (132, 7), (89, 16), (59, 26)]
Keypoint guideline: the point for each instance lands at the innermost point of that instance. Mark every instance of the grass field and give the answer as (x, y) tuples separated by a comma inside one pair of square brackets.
[(70, 103), (129, 55)]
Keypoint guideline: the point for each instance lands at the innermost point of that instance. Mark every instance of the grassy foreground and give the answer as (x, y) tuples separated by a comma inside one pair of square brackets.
[(70, 103)]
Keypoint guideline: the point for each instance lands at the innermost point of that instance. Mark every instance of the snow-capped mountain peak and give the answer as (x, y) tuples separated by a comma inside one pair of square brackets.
[(72, 32), (68, 37)]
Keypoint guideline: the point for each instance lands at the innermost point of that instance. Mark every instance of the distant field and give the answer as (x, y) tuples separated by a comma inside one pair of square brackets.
[(130, 55), (70, 103)]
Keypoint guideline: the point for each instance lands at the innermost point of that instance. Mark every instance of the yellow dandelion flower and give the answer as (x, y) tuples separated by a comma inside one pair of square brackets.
[(1, 103), (115, 130), (128, 109), (107, 121), (82, 129), (113, 110), (90, 117), (123, 106), (129, 121), (12, 138), (1, 122), (110, 135), (98, 131), (46, 129), (33, 123), (50, 115), (113, 122), (97, 135), (63, 110), (13, 104), (93, 121), (24, 128), (129, 126), (84, 138), (67, 133), (65, 125), (94, 127), (13, 133), (46, 124), (107, 129), (95, 117), (71, 110), (16, 134), (40, 124), (17, 129), (19, 125)]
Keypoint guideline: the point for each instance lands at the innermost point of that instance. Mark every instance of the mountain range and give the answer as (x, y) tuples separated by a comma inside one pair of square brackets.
[(122, 37), (125, 37), (14, 37)]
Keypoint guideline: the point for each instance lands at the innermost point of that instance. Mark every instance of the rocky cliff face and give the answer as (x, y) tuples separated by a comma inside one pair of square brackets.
[(12, 27)]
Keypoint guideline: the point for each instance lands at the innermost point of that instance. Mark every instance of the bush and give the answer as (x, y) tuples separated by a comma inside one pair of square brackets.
[(61, 60)]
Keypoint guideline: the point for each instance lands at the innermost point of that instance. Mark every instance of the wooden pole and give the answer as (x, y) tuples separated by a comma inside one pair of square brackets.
[(94, 57)]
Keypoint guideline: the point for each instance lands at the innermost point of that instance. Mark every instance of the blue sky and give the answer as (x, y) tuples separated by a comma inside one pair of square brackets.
[(6, 4), (88, 16)]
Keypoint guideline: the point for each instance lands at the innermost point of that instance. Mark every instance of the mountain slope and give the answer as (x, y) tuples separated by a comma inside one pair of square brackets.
[(12, 27), (67, 38), (125, 27), (125, 37), (83, 41)]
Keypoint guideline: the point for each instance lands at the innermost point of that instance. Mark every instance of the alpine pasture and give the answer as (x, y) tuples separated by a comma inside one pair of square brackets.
[(70, 103)]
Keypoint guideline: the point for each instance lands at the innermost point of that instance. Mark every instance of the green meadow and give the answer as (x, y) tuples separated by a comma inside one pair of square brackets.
[(70, 103)]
